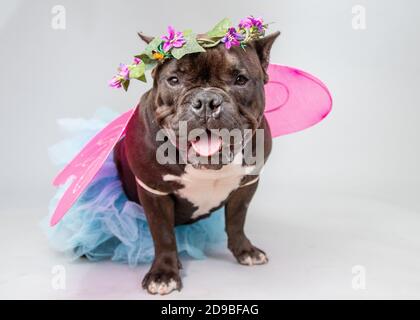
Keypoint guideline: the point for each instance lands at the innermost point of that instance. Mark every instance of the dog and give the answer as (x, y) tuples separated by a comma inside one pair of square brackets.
[(215, 89)]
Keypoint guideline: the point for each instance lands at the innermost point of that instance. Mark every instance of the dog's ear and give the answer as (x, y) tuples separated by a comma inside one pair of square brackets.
[(145, 38), (263, 48)]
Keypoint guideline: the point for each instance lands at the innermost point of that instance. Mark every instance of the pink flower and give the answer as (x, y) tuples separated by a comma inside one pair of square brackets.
[(115, 82), (232, 38), (124, 71), (123, 74), (174, 39), (250, 22)]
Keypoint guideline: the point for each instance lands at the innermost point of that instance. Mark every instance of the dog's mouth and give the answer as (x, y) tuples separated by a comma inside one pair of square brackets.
[(207, 144), (206, 150)]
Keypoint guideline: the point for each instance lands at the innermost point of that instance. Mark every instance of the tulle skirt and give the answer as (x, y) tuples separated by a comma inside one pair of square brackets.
[(103, 223)]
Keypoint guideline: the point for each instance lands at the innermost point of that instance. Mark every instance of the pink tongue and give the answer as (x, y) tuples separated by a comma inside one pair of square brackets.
[(207, 146)]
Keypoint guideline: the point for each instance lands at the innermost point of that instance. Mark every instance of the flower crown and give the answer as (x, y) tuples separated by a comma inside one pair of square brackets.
[(177, 44)]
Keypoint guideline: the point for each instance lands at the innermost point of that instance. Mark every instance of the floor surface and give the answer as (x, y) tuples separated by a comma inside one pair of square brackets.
[(320, 248)]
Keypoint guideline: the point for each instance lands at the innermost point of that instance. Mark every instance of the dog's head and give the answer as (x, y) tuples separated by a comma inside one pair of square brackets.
[(212, 90)]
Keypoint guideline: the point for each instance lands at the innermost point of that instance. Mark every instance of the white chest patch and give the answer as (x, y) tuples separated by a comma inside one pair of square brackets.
[(207, 189)]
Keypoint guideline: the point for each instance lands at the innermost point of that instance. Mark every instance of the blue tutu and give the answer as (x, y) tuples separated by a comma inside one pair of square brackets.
[(103, 223)]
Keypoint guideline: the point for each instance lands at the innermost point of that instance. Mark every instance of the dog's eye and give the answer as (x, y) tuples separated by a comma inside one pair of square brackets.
[(241, 80), (173, 81)]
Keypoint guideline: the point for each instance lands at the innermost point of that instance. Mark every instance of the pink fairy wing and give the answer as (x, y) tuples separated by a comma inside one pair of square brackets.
[(295, 100), (83, 168)]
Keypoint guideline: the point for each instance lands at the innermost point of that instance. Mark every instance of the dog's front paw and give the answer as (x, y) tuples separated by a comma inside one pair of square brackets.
[(252, 257), (245, 253), (161, 282)]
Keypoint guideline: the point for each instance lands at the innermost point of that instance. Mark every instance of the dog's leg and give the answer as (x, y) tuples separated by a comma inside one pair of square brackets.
[(163, 276), (235, 213)]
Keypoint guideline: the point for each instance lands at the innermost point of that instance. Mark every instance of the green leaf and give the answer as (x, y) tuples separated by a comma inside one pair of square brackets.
[(144, 58), (148, 62), (138, 72), (125, 84), (152, 46), (220, 29), (191, 46), (150, 65), (208, 44), (187, 32), (143, 78)]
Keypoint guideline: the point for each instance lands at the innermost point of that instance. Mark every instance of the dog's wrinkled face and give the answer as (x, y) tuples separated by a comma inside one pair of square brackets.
[(213, 90)]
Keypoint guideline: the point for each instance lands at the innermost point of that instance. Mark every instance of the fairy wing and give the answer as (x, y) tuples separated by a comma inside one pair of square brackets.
[(84, 166), (295, 100)]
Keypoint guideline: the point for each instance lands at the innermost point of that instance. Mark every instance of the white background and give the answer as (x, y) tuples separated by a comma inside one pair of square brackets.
[(340, 194)]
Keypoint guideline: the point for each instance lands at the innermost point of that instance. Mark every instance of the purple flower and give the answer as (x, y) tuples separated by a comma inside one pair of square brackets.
[(174, 39), (250, 22), (232, 38), (124, 71), (136, 60), (123, 75), (115, 82)]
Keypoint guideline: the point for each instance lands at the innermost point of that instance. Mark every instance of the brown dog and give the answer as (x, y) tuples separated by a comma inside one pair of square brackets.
[(216, 89)]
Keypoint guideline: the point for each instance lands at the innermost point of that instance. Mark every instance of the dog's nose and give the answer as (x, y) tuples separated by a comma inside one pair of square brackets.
[(207, 103)]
